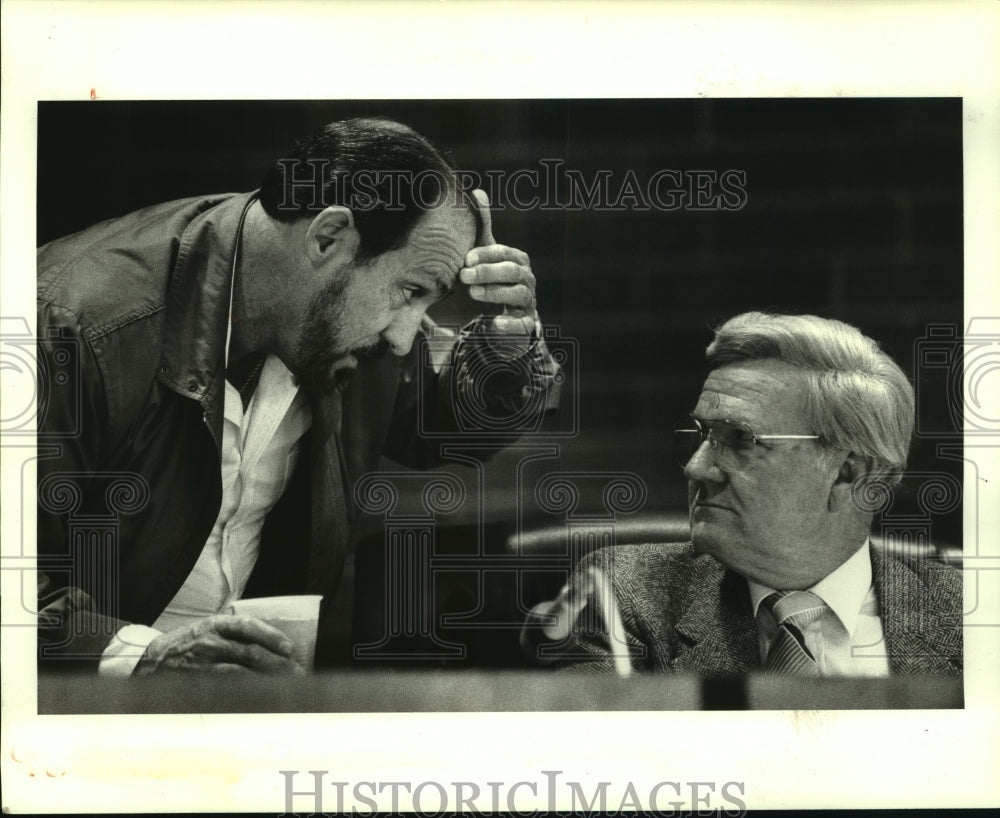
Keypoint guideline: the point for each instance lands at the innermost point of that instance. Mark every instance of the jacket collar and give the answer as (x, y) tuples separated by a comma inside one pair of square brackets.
[(197, 309)]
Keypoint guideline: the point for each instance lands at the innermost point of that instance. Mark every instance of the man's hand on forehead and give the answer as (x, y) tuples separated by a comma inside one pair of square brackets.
[(498, 274)]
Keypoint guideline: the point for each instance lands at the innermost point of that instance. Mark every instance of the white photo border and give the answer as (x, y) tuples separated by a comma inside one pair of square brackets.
[(316, 50)]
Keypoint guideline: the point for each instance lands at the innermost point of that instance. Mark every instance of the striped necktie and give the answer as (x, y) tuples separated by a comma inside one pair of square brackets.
[(793, 611)]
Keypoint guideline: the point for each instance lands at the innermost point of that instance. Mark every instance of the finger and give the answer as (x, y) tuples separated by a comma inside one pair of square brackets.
[(252, 630), (262, 660), (504, 272), (510, 324), (493, 253), (212, 652), (485, 218), (227, 667), (600, 587), (578, 595), (585, 583), (574, 600), (511, 295)]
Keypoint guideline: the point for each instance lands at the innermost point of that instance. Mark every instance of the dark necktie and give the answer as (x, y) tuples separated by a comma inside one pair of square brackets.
[(793, 611)]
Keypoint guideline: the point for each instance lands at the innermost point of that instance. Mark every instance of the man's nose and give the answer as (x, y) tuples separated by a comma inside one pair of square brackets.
[(403, 329), (702, 465)]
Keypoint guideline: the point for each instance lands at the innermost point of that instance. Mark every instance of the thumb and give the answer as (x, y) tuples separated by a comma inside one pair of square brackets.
[(485, 233)]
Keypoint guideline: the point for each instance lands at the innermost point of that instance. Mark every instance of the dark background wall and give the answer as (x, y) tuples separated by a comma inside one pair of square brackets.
[(853, 210)]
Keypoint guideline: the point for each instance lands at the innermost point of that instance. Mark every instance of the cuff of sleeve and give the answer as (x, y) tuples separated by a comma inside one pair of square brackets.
[(122, 655), (493, 385), (479, 326)]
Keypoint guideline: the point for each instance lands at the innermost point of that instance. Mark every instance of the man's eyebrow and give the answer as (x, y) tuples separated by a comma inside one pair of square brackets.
[(444, 284)]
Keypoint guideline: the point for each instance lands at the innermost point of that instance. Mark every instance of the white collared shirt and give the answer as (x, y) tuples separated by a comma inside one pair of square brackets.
[(260, 448), (848, 639)]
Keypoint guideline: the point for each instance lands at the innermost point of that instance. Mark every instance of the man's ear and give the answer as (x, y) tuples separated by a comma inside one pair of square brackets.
[(852, 468), (332, 235)]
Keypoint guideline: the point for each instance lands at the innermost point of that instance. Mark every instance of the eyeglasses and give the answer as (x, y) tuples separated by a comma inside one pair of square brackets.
[(732, 441)]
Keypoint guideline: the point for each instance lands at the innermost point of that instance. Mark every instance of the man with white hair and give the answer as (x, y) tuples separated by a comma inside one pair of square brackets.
[(796, 418)]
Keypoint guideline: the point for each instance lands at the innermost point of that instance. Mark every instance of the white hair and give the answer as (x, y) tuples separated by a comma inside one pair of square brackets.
[(858, 398)]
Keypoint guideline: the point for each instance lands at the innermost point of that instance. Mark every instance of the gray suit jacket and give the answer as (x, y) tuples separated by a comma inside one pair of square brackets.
[(685, 612)]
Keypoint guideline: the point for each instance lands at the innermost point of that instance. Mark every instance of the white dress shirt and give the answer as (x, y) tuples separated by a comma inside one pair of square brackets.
[(848, 639), (260, 447)]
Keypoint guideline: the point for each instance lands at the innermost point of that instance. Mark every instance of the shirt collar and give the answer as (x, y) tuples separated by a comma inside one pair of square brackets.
[(275, 394), (844, 589)]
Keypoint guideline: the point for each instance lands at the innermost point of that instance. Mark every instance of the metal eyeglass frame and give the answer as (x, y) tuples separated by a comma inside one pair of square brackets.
[(706, 429)]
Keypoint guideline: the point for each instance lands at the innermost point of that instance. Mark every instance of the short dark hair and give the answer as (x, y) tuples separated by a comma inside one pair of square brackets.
[(384, 171)]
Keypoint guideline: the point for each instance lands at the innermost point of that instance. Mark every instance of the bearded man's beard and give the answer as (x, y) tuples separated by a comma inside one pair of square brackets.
[(376, 350), (317, 351)]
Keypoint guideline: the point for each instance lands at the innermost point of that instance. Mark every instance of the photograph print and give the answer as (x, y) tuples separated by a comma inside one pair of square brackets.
[(506, 405)]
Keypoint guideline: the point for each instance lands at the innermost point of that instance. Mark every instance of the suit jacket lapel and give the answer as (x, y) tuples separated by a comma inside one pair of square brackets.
[(717, 635), (916, 644)]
